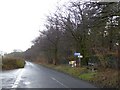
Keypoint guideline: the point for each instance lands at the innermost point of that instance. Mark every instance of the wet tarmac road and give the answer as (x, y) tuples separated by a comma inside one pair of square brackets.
[(36, 76)]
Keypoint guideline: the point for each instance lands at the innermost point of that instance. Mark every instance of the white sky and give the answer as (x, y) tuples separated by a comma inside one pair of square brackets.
[(21, 20)]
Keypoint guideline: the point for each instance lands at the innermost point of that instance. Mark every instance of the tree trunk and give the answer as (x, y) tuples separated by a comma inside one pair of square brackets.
[(118, 63), (56, 56), (119, 57)]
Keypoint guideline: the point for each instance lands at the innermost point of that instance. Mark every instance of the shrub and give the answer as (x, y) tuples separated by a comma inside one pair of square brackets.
[(91, 59), (12, 63), (111, 61), (71, 58)]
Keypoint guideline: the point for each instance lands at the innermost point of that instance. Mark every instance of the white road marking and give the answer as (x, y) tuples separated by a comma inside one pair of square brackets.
[(31, 64), (18, 71), (18, 79), (59, 82)]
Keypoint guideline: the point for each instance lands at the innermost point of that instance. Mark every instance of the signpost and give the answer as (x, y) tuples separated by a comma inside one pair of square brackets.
[(79, 56), (76, 54)]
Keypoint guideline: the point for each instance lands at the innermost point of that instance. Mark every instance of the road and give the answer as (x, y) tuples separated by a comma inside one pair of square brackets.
[(36, 76)]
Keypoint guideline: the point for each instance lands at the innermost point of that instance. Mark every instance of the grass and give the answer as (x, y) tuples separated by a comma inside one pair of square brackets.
[(87, 76), (12, 63), (67, 69), (103, 78)]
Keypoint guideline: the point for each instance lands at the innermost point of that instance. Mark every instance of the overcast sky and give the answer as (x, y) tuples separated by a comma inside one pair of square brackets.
[(21, 20)]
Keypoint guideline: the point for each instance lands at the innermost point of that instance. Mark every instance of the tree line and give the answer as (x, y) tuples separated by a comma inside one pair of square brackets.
[(91, 28)]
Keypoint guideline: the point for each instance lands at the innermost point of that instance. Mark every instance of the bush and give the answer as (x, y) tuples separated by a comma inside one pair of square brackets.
[(111, 61), (71, 58), (20, 63), (85, 60), (91, 59), (12, 63)]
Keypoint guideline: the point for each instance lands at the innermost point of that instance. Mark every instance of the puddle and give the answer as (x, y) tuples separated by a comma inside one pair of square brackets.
[(8, 77)]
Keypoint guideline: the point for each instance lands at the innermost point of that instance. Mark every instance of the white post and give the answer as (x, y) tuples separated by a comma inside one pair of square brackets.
[(80, 59)]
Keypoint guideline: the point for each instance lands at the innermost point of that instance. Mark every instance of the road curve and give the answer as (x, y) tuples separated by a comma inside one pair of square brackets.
[(36, 76)]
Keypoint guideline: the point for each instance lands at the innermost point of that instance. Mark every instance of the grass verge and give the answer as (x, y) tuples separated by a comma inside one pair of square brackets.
[(103, 78)]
